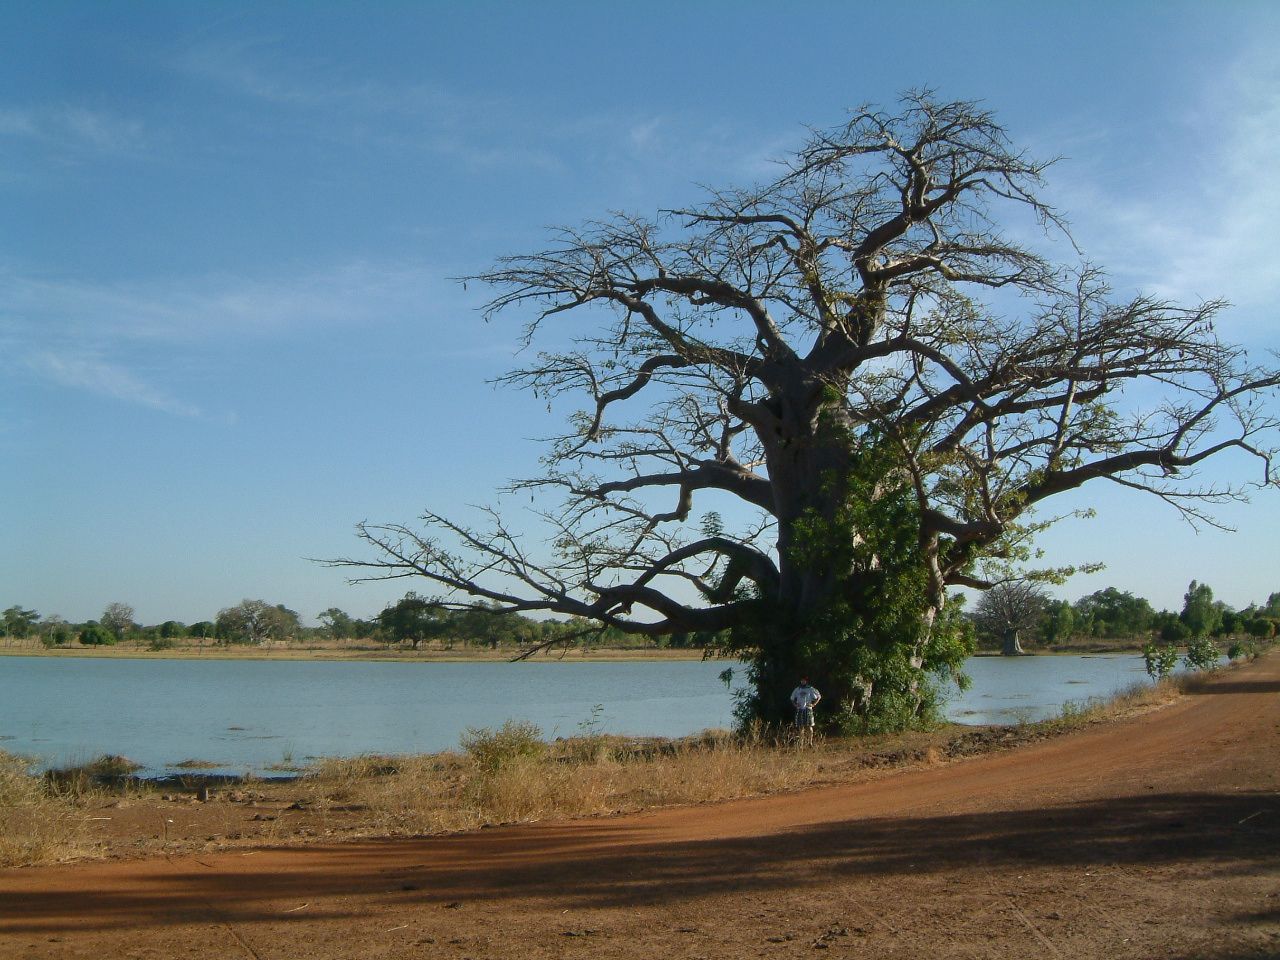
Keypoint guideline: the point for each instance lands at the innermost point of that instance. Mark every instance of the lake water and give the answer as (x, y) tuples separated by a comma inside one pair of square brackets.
[(248, 715)]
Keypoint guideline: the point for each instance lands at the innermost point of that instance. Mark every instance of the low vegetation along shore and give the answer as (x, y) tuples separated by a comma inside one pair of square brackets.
[(501, 775)]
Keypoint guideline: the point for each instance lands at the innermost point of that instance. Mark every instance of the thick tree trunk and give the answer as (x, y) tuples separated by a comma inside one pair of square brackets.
[(827, 573), (1012, 645)]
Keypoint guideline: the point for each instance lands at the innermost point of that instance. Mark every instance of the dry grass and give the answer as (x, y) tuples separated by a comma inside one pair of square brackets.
[(1136, 698), (507, 776), (42, 817), (36, 824)]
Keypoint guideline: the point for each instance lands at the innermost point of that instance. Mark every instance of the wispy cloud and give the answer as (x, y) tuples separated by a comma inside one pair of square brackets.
[(485, 131), (1203, 220), (106, 379), (71, 130), (218, 306), (258, 69), (102, 337)]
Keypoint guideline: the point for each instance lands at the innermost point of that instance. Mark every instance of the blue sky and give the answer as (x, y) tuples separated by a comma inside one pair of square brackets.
[(227, 232)]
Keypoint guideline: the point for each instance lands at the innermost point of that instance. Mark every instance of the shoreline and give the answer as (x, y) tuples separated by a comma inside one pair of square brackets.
[(381, 655), (352, 654)]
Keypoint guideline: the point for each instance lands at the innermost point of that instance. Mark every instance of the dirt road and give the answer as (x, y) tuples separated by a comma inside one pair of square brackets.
[(1153, 837)]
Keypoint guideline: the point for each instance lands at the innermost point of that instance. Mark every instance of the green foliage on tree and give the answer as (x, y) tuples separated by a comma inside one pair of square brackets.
[(1199, 612), (1261, 627), (1161, 659), (1202, 653), (1114, 613), (19, 622), (55, 631), (414, 619), (867, 647), (488, 626), (337, 624), (95, 635), (1231, 621), (1059, 621), (254, 621), (1174, 631), (118, 618)]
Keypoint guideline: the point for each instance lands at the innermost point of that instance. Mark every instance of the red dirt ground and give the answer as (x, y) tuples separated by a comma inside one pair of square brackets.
[(1154, 837)]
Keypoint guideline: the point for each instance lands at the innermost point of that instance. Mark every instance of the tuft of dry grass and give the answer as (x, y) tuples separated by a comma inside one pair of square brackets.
[(35, 825), (195, 764), (107, 772), (42, 815)]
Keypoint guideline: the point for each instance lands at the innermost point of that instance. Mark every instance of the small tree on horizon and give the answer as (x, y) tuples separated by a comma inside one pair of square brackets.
[(118, 618), (1009, 610), (337, 623), (414, 619), (19, 622), (253, 621)]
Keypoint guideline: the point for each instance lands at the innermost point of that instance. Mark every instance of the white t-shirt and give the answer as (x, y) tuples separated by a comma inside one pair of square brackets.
[(803, 697)]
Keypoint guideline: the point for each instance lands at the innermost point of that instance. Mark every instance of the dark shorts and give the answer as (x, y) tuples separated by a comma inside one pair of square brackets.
[(804, 716)]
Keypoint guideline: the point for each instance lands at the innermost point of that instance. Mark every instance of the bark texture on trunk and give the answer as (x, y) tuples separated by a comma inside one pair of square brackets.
[(1012, 645)]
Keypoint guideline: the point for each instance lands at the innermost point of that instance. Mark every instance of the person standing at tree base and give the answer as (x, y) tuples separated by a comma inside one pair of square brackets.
[(804, 698)]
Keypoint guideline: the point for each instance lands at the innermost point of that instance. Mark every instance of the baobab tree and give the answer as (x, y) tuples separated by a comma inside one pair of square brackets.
[(861, 355), (1009, 609)]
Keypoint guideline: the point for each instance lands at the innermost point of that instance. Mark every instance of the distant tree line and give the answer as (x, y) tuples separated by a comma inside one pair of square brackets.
[(413, 621), (1011, 614), (1006, 617)]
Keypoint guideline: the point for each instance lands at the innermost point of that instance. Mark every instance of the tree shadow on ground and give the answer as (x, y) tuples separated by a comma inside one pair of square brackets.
[(600, 864), (1217, 686)]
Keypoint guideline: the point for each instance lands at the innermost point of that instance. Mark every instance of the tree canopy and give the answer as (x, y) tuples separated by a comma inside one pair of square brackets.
[(414, 619), (118, 618), (1009, 609), (253, 621), (861, 354), (18, 621)]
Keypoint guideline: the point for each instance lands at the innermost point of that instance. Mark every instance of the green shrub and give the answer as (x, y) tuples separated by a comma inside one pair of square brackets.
[(96, 635), (1160, 659), (1243, 648), (1202, 654), (492, 749), (161, 643), (1260, 627)]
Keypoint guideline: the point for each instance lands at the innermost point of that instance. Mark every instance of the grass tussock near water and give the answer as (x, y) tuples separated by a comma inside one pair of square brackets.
[(43, 817), (37, 824)]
